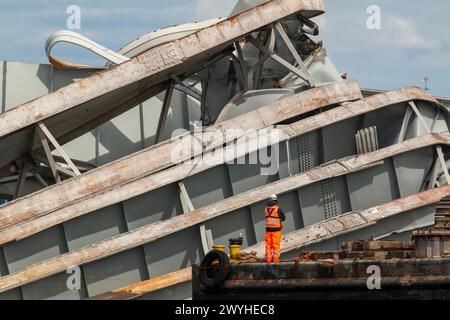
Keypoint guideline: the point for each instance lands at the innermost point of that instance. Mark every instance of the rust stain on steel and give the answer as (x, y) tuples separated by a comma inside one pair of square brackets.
[(378, 245), (159, 157), (136, 183), (318, 283), (61, 64), (319, 232), (154, 61), (145, 287), (355, 220)]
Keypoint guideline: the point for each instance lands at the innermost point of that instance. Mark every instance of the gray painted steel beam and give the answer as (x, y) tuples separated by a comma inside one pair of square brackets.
[(294, 53), (40, 179), (438, 149), (278, 59), (22, 178), (185, 199), (61, 151), (434, 174), (254, 74), (48, 153), (3, 85), (241, 59), (164, 111), (405, 123)]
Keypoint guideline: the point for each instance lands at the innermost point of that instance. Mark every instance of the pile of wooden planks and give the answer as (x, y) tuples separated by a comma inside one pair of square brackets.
[(434, 242), (367, 250)]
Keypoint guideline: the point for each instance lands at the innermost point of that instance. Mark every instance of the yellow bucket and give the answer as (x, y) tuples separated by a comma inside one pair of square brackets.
[(219, 248), (235, 250)]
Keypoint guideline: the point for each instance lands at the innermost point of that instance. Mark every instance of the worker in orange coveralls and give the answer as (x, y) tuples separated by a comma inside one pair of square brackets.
[(274, 224)]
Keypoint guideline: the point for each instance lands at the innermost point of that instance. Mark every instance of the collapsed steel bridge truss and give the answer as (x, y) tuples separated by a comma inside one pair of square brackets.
[(348, 166)]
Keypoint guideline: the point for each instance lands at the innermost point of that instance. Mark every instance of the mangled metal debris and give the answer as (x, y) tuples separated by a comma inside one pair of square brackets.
[(348, 166), (75, 109)]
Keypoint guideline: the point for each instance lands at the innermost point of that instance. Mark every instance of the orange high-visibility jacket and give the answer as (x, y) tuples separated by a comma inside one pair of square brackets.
[(273, 219)]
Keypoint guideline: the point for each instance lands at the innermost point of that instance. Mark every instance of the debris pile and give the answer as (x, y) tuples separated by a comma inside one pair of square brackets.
[(363, 250), (434, 242), (246, 257)]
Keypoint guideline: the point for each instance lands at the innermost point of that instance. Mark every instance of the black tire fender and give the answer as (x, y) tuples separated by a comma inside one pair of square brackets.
[(212, 274)]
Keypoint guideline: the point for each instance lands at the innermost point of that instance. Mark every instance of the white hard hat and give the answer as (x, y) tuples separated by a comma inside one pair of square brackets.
[(273, 197)]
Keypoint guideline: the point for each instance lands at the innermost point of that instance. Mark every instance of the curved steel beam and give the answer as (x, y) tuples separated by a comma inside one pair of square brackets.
[(117, 58), (83, 42), (157, 37)]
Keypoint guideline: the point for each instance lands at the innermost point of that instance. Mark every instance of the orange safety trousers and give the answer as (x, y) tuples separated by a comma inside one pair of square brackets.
[(273, 249)]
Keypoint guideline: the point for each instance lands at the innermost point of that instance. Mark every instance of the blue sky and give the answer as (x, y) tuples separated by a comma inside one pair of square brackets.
[(414, 39)]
